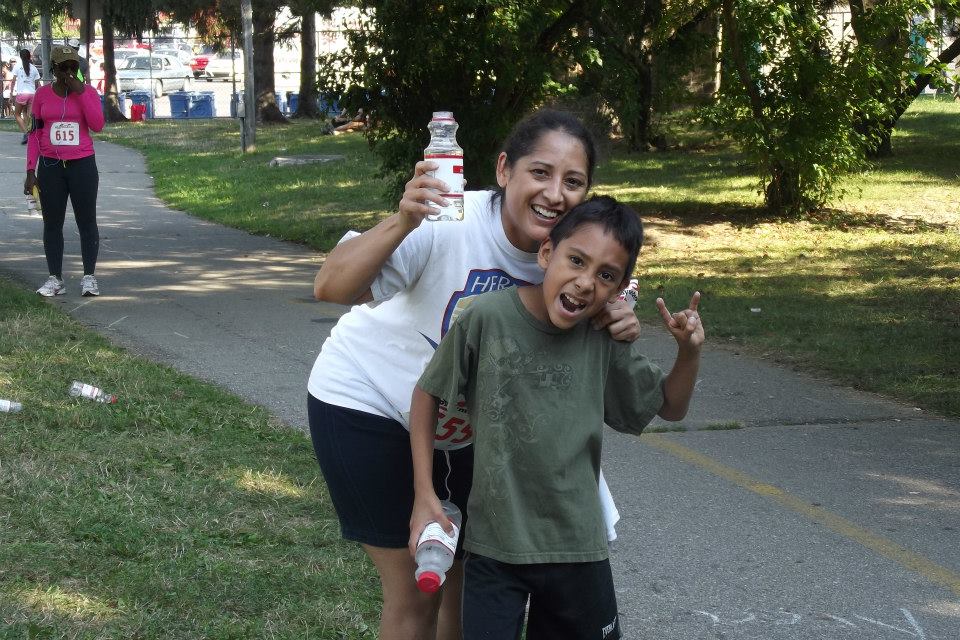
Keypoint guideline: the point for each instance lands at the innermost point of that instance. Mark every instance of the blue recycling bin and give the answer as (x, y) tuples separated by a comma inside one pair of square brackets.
[(328, 105), (282, 104), (180, 104), (121, 101), (201, 105), (293, 101), (142, 97)]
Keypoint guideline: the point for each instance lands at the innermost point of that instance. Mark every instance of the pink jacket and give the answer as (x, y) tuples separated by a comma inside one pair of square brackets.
[(84, 109)]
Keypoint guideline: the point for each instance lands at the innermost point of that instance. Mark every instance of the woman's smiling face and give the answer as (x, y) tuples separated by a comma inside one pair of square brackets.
[(541, 186)]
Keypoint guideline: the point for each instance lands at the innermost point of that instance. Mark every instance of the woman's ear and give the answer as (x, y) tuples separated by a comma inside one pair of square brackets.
[(503, 170)]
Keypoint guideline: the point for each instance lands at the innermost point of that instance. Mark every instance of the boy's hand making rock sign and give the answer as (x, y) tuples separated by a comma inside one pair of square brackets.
[(687, 329)]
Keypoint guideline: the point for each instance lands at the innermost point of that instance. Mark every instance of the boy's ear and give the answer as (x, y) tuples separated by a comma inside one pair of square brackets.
[(545, 253)]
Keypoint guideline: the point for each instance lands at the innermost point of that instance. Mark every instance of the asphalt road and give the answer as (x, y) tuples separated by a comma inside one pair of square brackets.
[(832, 514)]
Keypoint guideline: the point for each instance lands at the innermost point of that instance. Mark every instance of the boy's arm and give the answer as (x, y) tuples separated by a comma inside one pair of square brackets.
[(426, 504), (685, 326)]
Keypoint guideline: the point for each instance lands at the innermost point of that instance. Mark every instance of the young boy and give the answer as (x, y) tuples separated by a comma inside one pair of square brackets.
[(539, 384)]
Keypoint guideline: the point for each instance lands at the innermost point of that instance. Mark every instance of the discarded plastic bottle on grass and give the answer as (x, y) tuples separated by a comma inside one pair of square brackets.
[(435, 550), (79, 389), (9, 406)]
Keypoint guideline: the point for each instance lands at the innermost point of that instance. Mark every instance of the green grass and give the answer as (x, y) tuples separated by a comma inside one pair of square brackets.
[(867, 292), (179, 512)]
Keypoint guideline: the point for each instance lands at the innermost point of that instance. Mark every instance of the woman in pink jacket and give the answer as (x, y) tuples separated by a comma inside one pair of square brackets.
[(61, 162)]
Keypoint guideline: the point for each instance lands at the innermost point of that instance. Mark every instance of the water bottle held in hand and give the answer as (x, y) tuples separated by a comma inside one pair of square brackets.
[(9, 406), (631, 293), (435, 550), (444, 151), (79, 389)]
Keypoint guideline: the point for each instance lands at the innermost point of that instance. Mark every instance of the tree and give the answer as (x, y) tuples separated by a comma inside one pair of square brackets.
[(640, 50), (489, 62), (796, 97), (307, 10)]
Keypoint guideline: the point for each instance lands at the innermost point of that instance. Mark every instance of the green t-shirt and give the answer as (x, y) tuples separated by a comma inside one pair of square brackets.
[(538, 397)]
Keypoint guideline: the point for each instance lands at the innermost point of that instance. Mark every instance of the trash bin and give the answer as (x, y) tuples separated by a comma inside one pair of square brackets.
[(179, 104), (144, 98), (293, 102), (328, 105), (201, 105), (282, 104), (137, 112), (121, 101)]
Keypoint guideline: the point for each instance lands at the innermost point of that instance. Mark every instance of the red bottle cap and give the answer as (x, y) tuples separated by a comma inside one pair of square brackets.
[(428, 582)]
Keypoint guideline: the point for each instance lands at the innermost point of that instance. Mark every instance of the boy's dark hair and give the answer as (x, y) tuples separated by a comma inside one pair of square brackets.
[(526, 133), (616, 218)]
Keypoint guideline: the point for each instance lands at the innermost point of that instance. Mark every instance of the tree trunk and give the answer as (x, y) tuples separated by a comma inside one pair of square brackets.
[(263, 87), (111, 104), (782, 193), (307, 104)]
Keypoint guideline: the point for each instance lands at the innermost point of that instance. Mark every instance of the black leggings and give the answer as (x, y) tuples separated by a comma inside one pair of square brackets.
[(78, 179)]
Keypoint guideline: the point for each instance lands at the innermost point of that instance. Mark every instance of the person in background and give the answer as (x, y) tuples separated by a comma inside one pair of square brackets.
[(61, 162), (26, 81), (84, 65), (6, 86), (419, 276)]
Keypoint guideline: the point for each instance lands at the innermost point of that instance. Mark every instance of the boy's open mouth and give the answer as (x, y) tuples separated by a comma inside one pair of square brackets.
[(570, 304), (543, 212)]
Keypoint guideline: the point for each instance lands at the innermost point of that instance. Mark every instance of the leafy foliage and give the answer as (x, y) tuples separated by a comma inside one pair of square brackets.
[(489, 62)]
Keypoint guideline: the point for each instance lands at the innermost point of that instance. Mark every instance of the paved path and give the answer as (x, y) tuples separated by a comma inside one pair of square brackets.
[(833, 514)]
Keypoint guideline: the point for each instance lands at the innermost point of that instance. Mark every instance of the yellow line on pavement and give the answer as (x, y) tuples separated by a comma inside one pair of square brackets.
[(886, 548)]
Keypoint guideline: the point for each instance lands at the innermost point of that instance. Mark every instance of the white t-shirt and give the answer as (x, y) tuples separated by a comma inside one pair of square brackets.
[(26, 82), (376, 352)]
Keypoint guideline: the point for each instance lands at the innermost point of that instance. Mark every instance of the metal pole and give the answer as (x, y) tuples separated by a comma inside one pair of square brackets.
[(46, 40), (250, 110)]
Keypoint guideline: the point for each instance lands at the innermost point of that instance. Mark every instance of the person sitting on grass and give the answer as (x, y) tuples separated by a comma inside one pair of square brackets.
[(539, 384)]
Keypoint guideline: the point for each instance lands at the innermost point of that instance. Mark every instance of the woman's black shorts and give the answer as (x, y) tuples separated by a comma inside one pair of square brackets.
[(366, 462)]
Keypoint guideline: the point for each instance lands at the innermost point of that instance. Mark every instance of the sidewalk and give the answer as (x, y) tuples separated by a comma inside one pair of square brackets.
[(706, 540)]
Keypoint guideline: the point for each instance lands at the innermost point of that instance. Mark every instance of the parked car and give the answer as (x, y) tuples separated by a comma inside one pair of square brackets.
[(224, 65), (8, 53), (158, 73), (198, 63), (181, 51)]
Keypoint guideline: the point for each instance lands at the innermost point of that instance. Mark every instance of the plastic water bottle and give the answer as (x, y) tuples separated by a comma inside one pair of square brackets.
[(33, 207), (9, 406), (444, 151), (435, 550), (79, 389), (631, 293)]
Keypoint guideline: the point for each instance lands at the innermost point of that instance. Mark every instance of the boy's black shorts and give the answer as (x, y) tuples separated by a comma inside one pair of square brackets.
[(568, 601)]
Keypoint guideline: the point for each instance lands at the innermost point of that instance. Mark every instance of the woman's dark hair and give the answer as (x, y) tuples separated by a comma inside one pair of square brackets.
[(616, 218), (526, 133)]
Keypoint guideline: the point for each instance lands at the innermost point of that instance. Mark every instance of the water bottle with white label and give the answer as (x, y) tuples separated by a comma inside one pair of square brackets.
[(9, 406), (435, 550), (79, 389), (444, 151), (631, 293)]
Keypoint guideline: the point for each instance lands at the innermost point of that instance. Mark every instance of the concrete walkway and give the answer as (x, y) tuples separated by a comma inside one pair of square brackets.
[(833, 514)]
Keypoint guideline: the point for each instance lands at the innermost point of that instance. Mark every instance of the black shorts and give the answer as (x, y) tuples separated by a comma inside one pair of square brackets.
[(568, 601), (367, 464)]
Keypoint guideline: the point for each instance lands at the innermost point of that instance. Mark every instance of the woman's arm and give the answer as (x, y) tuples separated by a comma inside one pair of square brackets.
[(90, 103), (351, 267)]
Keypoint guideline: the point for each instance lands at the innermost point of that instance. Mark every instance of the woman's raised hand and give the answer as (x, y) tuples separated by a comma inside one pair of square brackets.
[(420, 189)]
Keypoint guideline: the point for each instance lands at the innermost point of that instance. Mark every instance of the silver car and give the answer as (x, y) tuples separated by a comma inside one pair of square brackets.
[(156, 73)]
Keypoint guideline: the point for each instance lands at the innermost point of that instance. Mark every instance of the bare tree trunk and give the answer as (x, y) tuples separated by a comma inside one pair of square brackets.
[(307, 104), (263, 89), (111, 104)]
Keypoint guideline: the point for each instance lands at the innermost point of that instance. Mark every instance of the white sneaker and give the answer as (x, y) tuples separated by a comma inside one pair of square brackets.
[(52, 287), (89, 287)]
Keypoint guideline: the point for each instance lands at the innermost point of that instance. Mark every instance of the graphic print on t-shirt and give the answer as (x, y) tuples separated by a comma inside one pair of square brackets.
[(453, 424)]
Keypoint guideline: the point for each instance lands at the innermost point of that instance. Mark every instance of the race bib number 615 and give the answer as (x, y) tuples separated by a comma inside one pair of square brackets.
[(65, 134)]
